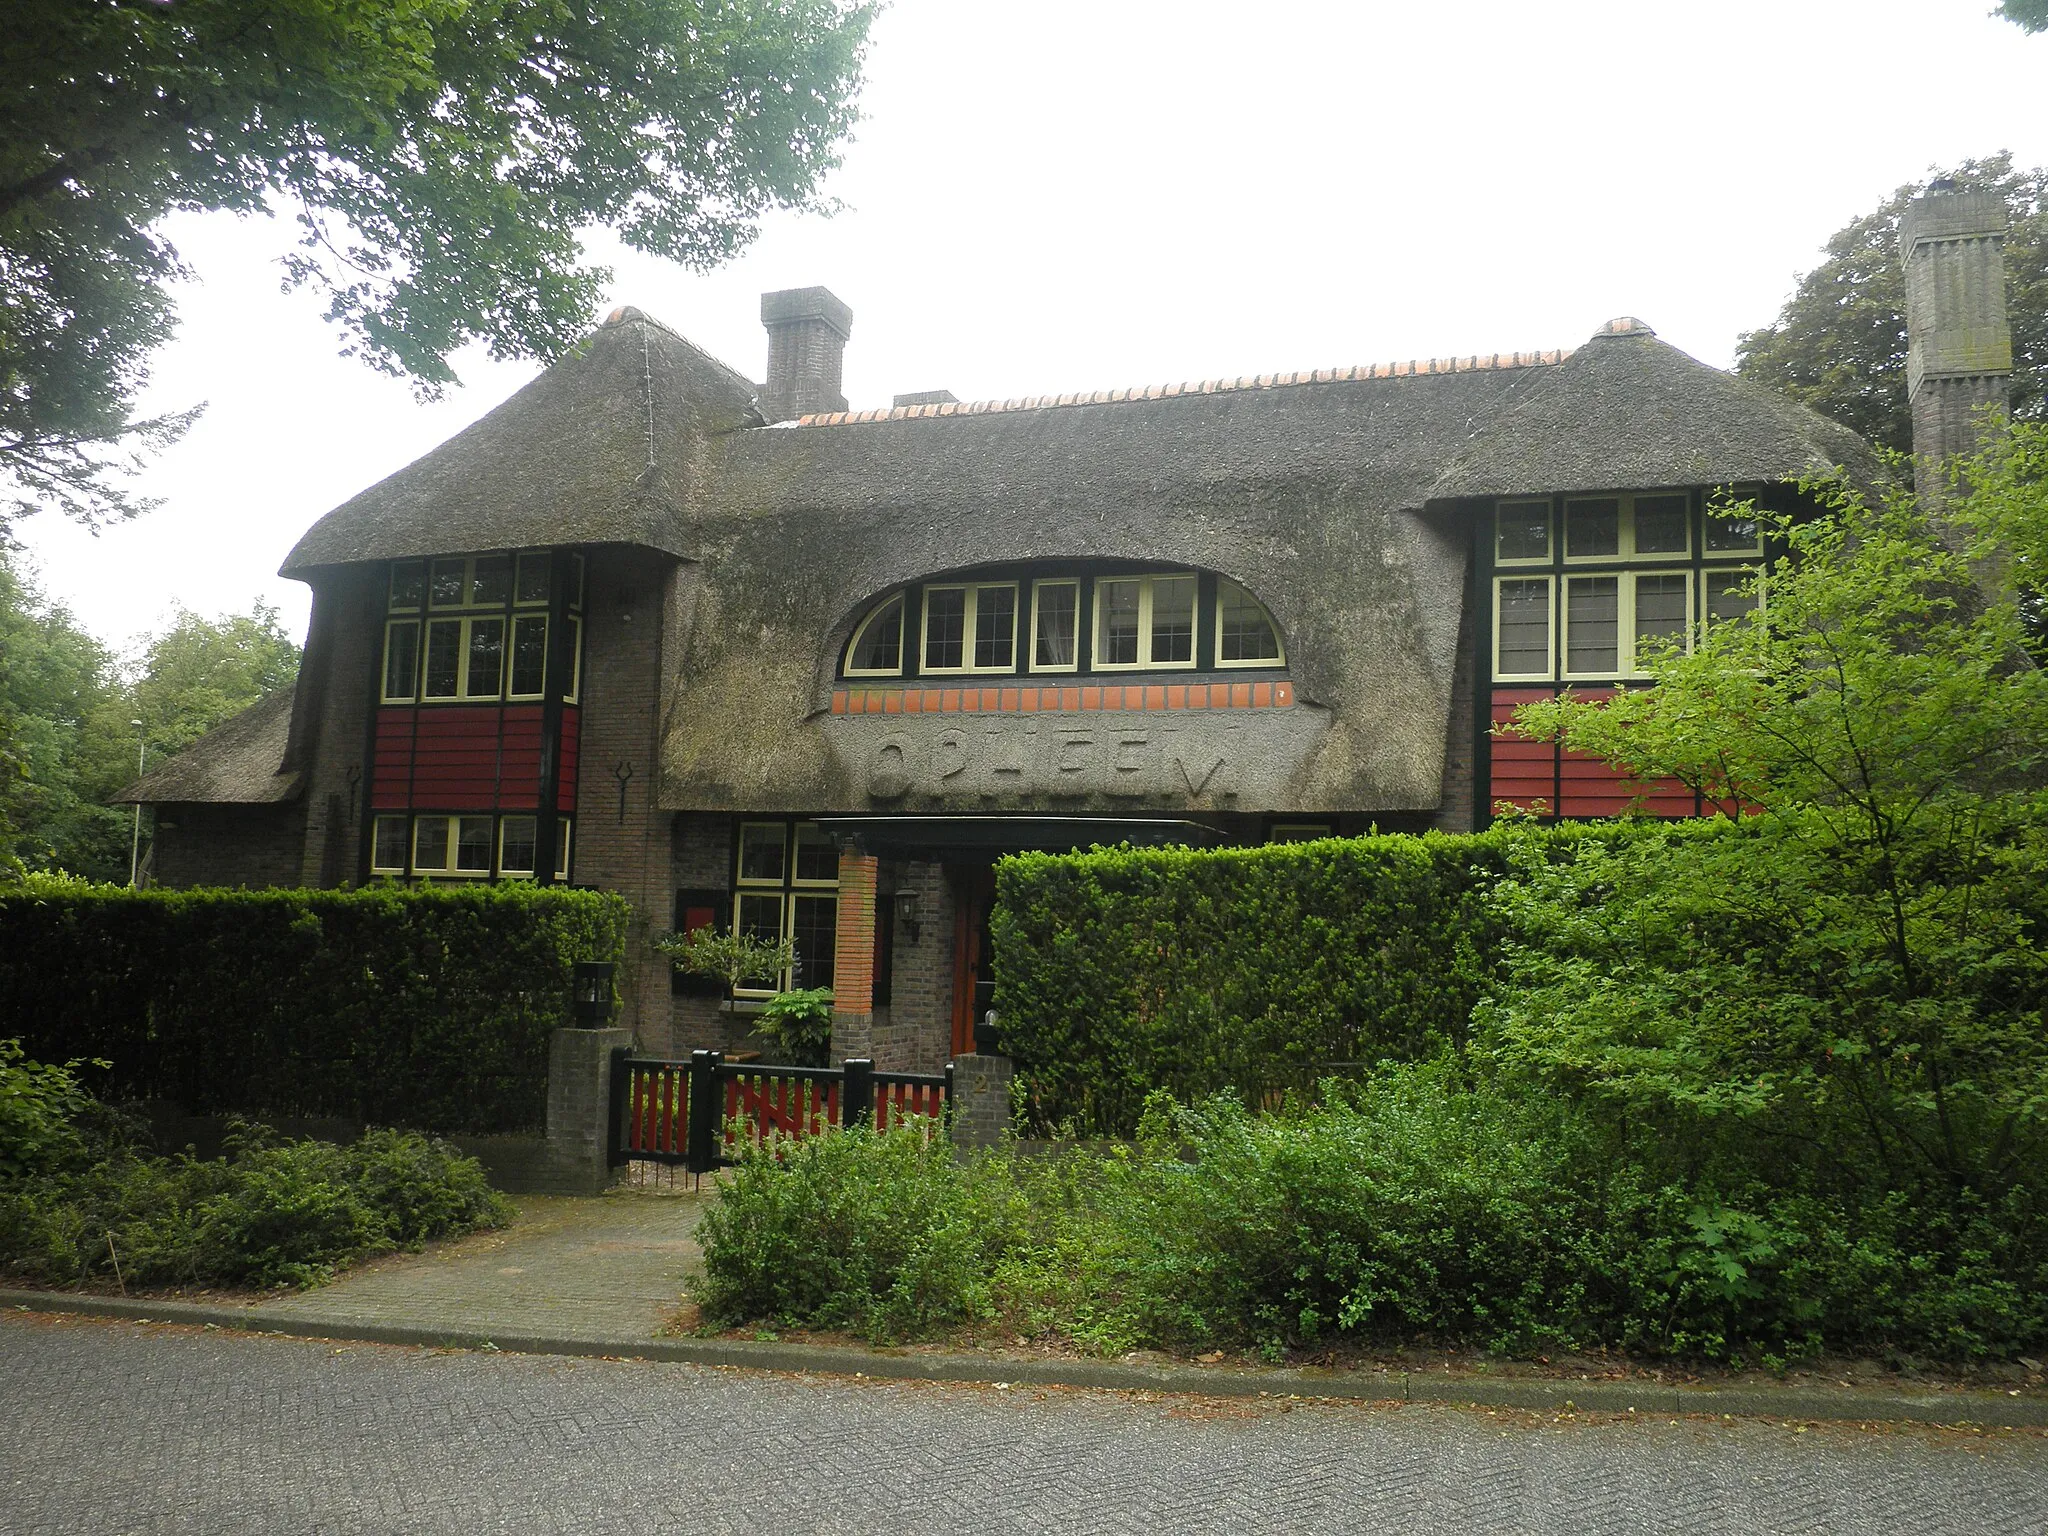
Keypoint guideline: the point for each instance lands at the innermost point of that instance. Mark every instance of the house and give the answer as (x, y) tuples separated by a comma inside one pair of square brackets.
[(744, 655)]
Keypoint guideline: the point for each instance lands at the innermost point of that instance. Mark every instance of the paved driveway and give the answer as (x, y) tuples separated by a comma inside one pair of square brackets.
[(120, 1427)]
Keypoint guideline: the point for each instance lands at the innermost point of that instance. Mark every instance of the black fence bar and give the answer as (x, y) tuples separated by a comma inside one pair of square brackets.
[(704, 1110)]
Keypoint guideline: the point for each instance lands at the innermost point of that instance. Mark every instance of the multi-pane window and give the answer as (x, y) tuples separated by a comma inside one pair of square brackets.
[(473, 847), (1245, 636), (1592, 586), (1144, 621), (1612, 622), (451, 653), (1055, 626), (787, 887), (971, 628), (877, 648), (1064, 623)]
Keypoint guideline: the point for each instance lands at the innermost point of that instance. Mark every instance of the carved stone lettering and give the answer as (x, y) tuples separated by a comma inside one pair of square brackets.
[(949, 755), (1131, 765), (888, 773), (1197, 768)]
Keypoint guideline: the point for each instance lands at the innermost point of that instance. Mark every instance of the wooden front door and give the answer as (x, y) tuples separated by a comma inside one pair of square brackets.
[(974, 977)]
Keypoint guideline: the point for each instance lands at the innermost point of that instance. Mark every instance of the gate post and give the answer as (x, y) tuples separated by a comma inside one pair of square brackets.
[(621, 1073), (702, 1148), (857, 1093)]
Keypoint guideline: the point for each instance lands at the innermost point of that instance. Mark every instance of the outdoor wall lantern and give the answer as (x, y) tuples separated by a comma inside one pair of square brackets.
[(906, 913), (593, 993)]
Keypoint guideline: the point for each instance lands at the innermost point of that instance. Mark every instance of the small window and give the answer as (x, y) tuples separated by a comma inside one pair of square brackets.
[(473, 845), (1732, 594), (450, 583), (1522, 627), (485, 678), (1734, 534), (431, 840), (1662, 525), (387, 846), (1612, 622), (814, 925), (529, 656), (1592, 625), (763, 852), (1145, 621), (408, 583), (1663, 610), (1521, 532), (517, 838), (1245, 635), (444, 658), (1592, 528), (817, 856), (1055, 626), (562, 831), (970, 628), (531, 585), (877, 646), (490, 581), (401, 660)]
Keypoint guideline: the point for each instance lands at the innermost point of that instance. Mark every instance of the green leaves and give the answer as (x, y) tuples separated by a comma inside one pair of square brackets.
[(440, 158)]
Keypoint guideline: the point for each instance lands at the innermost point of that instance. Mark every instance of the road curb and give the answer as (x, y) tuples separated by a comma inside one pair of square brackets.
[(1539, 1395)]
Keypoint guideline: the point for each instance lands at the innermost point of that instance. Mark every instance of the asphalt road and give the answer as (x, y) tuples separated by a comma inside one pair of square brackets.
[(120, 1427)]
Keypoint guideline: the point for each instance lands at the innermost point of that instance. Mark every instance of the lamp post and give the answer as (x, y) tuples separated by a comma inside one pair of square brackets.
[(135, 843), (592, 994)]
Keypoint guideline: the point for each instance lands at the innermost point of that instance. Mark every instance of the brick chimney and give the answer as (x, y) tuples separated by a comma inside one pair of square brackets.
[(1959, 342), (807, 331)]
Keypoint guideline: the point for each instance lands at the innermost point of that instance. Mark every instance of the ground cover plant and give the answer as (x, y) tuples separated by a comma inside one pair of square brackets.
[(84, 1200), (1755, 1088)]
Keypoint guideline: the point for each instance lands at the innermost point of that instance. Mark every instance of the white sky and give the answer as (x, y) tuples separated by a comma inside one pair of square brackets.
[(1086, 194)]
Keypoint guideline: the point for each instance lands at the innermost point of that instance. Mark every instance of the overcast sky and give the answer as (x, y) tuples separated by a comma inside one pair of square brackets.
[(1051, 196)]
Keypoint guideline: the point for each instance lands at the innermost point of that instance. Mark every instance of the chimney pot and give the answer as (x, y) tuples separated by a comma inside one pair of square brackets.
[(807, 331)]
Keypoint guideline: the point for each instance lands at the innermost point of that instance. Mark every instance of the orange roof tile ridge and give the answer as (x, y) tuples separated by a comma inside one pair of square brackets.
[(1484, 362)]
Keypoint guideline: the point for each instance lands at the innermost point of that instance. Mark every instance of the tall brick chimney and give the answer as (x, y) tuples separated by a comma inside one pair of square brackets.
[(1959, 342), (807, 331)]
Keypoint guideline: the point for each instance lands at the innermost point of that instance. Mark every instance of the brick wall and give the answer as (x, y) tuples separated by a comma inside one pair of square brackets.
[(332, 722), (916, 1032), (252, 845), (621, 842), (853, 959)]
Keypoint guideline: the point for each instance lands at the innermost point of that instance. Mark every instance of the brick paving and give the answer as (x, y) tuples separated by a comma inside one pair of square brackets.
[(120, 1427), (574, 1267)]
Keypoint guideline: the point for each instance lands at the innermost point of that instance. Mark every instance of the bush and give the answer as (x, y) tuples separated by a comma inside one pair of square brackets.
[(1124, 970), (37, 1106), (270, 1213), (1418, 1205), (877, 1233), (428, 1007)]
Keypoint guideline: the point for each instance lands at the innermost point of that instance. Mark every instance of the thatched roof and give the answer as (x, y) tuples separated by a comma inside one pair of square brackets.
[(600, 449), (235, 763), (1627, 411)]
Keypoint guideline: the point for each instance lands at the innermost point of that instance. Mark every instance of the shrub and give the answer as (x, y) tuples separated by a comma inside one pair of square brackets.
[(1125, 970), (38, 1103), (270, 1213), (428, 1007), (878, 1233)]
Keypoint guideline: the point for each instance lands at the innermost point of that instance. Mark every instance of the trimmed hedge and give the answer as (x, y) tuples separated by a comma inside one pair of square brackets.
[(1125, 970), (428, 1008)]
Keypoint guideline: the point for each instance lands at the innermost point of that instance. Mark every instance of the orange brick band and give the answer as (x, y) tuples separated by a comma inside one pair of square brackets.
[(1033, 700)]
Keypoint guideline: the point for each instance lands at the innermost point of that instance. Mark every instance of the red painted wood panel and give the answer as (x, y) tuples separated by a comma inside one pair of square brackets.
[(1570, 783), (456, 757)]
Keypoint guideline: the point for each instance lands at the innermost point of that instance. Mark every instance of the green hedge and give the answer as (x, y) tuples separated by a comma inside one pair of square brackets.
[(428, 1008), (1125, 970)]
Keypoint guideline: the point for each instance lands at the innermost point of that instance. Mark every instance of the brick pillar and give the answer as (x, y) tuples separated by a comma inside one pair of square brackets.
[(981, 1100), (853, 958), (578, 1157)]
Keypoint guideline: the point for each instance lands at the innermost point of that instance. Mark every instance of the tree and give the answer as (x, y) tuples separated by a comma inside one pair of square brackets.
[(1839, 344), (439, 157), (1852, 964), (2032, 15), (66, 706)]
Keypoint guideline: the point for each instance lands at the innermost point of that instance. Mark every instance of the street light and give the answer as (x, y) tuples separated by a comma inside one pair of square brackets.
[(135, 843), (592, 993)]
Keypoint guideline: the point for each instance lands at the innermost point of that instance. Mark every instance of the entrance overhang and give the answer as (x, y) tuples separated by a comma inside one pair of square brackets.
[(912, 836)]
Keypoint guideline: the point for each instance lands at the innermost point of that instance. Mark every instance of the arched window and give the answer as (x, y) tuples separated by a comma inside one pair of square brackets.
[(1049, 621)]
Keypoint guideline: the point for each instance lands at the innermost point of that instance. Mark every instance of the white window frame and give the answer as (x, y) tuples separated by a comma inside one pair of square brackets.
[(970, 614), (562, 829), (1031, 658), (1551, 521), (390, 869), (1143, 663), (418, 626), (1754, 547), (452, 870), (1223, 584), (1625, 531), (874, 615), (1756, 573), (787, 889), (1549, 671), (1625, 621)]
